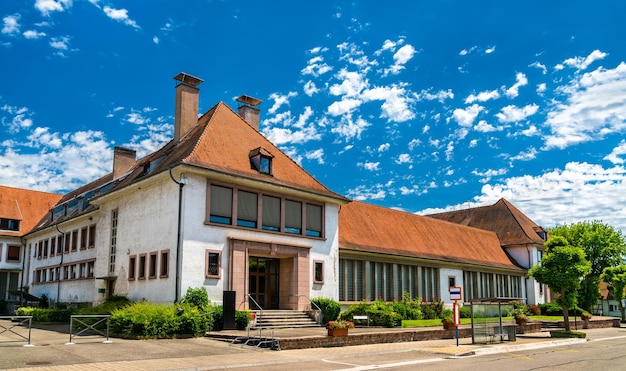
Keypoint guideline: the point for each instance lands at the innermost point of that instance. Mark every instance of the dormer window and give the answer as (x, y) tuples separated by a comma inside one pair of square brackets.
[(261, 160)]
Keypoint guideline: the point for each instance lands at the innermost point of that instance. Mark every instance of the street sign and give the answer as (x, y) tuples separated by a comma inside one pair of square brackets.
[(455, 293)]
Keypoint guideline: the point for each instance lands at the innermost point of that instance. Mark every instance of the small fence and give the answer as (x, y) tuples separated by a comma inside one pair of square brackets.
[(82, 326), (15, 322)]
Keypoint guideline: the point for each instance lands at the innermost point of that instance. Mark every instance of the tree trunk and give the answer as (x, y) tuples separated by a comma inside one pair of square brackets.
[(622, 309), (565, 311)]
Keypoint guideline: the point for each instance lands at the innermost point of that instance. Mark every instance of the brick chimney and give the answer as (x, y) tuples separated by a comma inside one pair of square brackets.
[(123, 160), (249, 110), (186, 110)]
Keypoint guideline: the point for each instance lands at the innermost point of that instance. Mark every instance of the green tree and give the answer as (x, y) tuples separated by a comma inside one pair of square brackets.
[(562, 268), (604, 246), (615, 277)]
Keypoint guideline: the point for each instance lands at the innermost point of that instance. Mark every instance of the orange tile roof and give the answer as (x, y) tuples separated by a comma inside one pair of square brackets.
[(510, 224), (26, 206), (368, 228)]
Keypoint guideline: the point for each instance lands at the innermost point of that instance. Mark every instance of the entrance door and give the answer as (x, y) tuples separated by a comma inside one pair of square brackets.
[(263, 278)]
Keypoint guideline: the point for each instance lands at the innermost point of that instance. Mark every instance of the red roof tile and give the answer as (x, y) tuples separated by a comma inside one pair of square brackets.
[(510, 224), (26, 206), (369, 228)]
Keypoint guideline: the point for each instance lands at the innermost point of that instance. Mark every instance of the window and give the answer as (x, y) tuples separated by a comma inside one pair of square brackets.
[(271, 213), (45, 248), (212, 264), (90, 267), (59, 244), (53, 245), (141, 272), (113, 241), (68, 236), (9, 224), (242, 208), (451, 281), (165, 263), (318, 271), (92, 236), (152, 265), (132, 265), (83, 238), (14, 253), (74, 240), (247, 206), (293, 217), (261, 160), (221, 205), (313, 220)]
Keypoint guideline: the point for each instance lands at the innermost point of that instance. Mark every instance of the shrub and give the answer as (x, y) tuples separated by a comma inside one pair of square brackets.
[(242, 318), (431, 309), (146, 320), (551, 309), (107, 306), (465, 312), (533, 310), (330, 308), (197, 297), (567, 334), (45, 315), (378, 312)]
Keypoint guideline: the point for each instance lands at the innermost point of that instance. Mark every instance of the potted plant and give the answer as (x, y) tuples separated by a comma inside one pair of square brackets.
[(520, 316), (447, 320), (339, 328), (585, 317)]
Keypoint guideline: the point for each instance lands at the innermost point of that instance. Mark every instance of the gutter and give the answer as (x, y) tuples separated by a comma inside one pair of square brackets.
[(181, 184)]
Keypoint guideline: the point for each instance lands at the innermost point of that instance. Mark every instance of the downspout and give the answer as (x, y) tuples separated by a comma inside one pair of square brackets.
[(24, 256), (62, 242), (181, 184)]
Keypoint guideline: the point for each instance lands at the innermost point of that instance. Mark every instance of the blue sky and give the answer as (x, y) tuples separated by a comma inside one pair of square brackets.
[(423, 106)]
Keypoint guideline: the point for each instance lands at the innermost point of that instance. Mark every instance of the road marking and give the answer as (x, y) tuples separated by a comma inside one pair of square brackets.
[(340, 363), (519, 356), (396, 364)]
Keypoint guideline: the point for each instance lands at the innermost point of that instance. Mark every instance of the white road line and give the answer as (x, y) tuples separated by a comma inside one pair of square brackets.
[(396, 364)]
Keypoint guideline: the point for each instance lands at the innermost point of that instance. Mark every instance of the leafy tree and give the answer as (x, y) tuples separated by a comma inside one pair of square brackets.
[(604, 246), (615, 277), (561, 268)]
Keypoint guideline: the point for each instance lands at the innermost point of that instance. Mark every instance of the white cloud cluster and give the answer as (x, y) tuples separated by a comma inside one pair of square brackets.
[(594, 106), (46, 7), (11, 24), (120, 15)]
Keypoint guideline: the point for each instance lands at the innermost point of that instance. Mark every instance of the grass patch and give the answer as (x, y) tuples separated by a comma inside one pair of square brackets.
[(567, 334), (429, 322), (467, 321)]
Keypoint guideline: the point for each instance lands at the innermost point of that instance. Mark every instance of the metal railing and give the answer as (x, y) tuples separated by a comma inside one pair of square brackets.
[(317, 308), (20, 322), (90, 326)]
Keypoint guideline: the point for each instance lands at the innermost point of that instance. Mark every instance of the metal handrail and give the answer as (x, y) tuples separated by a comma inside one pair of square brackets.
[(319, 310)]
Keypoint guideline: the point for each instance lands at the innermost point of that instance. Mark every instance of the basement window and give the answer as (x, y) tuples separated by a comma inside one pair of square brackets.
[(261, 160)]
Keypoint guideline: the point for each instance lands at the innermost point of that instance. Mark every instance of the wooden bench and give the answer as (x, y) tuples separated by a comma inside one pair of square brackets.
[(361, 318)]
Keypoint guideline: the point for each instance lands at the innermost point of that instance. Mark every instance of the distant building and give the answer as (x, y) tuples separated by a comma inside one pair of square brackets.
[(20, 209), (520, 237), (223, 208)]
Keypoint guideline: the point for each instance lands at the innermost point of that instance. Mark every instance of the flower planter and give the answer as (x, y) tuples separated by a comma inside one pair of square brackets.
[(337, 332)]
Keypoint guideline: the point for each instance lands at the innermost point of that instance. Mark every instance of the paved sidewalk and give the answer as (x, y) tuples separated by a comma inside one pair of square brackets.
[(90, 353)]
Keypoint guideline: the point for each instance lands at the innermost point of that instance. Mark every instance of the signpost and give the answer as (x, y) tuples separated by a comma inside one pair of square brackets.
[(456, 295)]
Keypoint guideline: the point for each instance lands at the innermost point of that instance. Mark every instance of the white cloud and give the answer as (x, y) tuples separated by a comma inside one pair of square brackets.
[(155, 40), (581, 63), (490, 50), (370, 166), (396, 105), (449, 151), (352, 84), (32, 34), (401, 57), (520, 80), (414, 143), (440, 95), (362, 192), (120, 15), (343, 106), (541, 88), (485, 176), (594, 106), (310, 88), (316, 67), (531, 154), (60, 43), (317, 155), (513, 113), (11, 24), (280, 100), (468, 51), (48, 6), (465, 117), (484, 127), (615, 154), (404, 158), (383, 147), (350, 129), (540, 66), (566, 191), (482, 96)]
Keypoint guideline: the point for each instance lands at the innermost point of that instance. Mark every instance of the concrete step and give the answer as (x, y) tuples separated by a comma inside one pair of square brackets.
[(283, 319)]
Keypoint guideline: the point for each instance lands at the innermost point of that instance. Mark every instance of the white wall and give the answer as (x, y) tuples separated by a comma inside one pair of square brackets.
[(444, 292)]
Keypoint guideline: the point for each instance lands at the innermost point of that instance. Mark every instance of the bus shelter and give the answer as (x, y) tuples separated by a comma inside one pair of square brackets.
[(488, 324)]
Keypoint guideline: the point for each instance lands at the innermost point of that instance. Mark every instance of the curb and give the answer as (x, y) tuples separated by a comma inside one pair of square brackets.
[(513, 348)]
